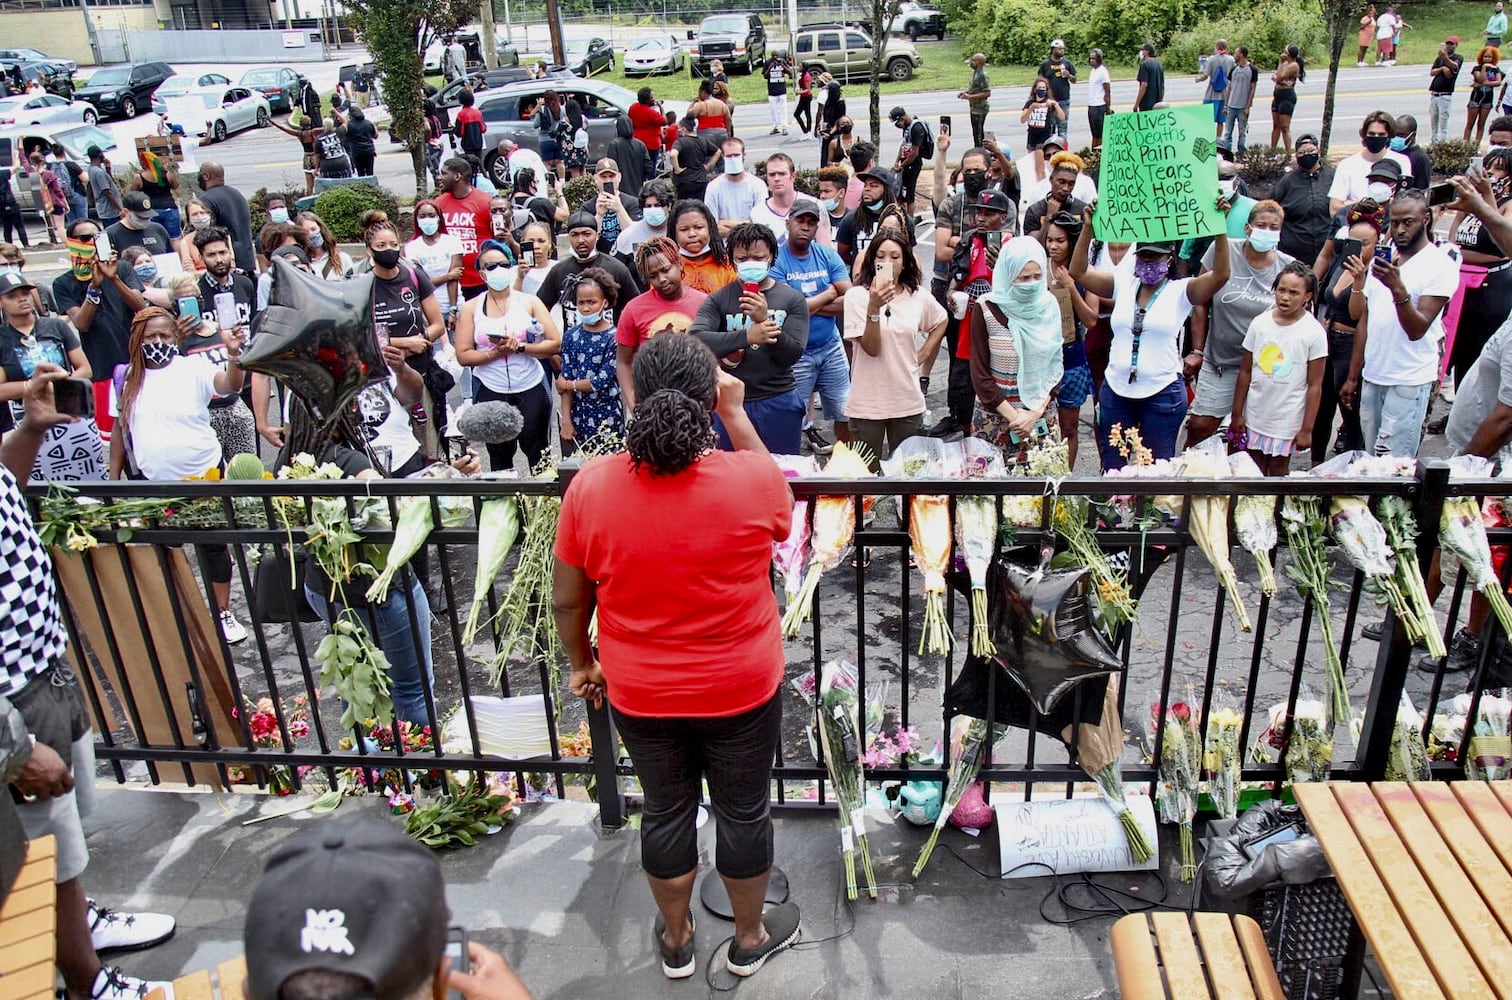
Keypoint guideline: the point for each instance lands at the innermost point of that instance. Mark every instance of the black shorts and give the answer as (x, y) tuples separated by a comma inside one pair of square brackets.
[(1284, 102), (1037, 137)]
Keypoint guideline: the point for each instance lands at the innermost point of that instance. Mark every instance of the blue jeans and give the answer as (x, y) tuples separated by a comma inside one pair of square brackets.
[(170, 220), (398, 644), (1158, 418), (78, 208), (826, 369), (778, 421), (1391, 417), (1235, 130)]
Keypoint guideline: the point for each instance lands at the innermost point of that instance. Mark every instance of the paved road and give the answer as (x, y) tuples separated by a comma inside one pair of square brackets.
[(270, 158)]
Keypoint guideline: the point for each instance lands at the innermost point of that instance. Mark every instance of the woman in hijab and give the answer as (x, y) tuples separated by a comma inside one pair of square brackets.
[(1016, 350)]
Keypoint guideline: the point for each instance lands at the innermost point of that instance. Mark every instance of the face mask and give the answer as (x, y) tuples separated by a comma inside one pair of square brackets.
[(592, 253), (317, 239), (734, 165), (386, 258), (1378, 192), (1026, 292), (588, 319), (960, 189), (1264, 240), (875, 206), (146, 270), (158, 354), (142, 218), (692, 254), (752, 271), (1376, 143), (278, 215), (1227, 188), (1152, 272), (830, 204), (975, 182), (1307, 160), (199, 222), (82, 270), (499, 278), (429, 224), (1040, 95), (656, 216), (1398, 143)]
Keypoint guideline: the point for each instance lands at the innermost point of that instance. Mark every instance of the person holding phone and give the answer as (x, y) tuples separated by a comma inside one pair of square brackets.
[(71, 451), (1358, 239), (1482, 226)]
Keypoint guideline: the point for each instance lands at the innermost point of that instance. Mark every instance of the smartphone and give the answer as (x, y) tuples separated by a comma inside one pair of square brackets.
[(608, 187), (102, 246), (225, 310), (381, 332), (1383, 251), (74, 397), (1441, 194), (527, 256), (188, 305), (1477, 164), (995, 241), (1254, 848), (945, 123), (990, 136), (456, 954), (1350, 248), (750, 287)]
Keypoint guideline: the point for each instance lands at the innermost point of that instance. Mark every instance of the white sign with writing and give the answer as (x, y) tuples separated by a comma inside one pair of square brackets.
[(293, 39), (1070, 835)]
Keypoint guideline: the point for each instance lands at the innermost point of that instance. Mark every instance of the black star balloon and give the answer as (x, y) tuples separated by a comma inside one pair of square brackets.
[(316, 337), (1042, 626)]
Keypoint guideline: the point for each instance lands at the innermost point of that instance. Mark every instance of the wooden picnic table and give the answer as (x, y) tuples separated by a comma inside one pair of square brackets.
[(29, 926), (1427, 870), (226, 985)]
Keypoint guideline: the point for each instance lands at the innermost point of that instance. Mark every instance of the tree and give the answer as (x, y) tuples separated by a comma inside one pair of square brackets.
[(397, 32), (881, 14), (1339, 18)]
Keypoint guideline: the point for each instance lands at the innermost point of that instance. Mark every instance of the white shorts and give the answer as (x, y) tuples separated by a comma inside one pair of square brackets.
[(1215, 392)]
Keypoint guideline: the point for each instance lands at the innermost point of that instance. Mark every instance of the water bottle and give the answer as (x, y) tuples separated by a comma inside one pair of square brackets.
[(535, 332)]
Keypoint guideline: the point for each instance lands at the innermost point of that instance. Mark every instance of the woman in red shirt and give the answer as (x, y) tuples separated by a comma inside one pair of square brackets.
[(672, 542), (647, 119)]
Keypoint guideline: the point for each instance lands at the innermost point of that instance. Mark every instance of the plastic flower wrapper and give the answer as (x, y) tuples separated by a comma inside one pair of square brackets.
[(1178, 732), (498, 527), (1447, 733), (1401, 529), (1364, 543), (841, 737), (791, 554), (1255, 522), (929, 530), (1308, 755), (1409, 756), (1141, 463), (1462, 534), (1207, 518), (833, 530), (976, 530), (1489, 755), (1223, 759), (1305, 526), (969, 739)]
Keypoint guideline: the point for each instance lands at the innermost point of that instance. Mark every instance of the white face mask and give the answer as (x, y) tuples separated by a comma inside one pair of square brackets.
[(1378, 192), (1227, 187), (734, 165)]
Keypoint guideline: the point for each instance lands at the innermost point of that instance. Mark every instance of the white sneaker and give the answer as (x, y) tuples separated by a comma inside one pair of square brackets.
[(1360, 63), (232, 629), (110, 930), (112, 984)]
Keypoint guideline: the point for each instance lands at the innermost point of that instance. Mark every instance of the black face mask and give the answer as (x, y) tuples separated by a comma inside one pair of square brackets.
[(1376, 143), (1307, 160), (975, 182), (386, 258)]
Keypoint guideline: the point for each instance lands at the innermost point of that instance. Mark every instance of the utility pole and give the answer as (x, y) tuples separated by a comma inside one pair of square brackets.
[(490, 41), (554, 23)]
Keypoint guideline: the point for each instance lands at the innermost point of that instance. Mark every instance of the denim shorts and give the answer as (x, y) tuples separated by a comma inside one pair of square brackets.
[(1215, 391), (827, 370), (1391, 417)]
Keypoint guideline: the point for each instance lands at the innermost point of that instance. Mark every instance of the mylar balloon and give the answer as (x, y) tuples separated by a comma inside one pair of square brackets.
[(316, 337)]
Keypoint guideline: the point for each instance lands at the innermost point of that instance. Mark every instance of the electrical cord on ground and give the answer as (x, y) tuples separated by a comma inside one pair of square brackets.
[(1106, 901)]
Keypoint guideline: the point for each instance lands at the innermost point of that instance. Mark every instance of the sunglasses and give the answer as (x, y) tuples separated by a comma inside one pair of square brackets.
[(496, 265), (1137, 330)]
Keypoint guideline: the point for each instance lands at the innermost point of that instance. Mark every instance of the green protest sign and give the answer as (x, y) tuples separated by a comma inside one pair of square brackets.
[(1158, 177)]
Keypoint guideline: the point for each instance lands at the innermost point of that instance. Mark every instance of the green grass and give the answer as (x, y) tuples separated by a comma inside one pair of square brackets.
[(1431, 24)]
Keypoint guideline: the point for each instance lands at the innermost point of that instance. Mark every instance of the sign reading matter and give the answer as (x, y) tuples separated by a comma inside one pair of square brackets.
[(1158, 177)]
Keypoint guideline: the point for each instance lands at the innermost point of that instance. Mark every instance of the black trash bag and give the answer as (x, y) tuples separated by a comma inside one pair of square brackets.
[(1230, 873)]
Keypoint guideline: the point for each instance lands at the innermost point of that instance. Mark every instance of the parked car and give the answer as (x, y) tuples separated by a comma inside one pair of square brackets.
[(586, 57), (54, 77), (32, 55), (178, 86), (18, 142), (658, 54), (216, 112), (124, 90), (45, 109), (916, 19), (279, 84), (602, 102), (472, 42), (739, 41), (846, 52)]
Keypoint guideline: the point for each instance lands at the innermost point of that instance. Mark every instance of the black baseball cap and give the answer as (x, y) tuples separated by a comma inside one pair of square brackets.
[(1385, 169), (354, 895), (993, 200), (1164, 248), (805, 206), (12, 280), (136, 201), (897, 112), (882, 175)]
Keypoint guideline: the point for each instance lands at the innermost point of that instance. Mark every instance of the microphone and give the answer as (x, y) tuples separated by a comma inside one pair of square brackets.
[(490, 423)]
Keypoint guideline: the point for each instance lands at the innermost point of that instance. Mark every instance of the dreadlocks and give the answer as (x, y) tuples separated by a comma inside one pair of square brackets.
[(676, 381)]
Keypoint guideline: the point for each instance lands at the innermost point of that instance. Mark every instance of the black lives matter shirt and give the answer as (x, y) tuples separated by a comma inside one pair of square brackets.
[(767, 370)]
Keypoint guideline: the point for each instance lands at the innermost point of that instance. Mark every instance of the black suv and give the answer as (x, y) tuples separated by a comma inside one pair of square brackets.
[(124, 90), (736, 40)]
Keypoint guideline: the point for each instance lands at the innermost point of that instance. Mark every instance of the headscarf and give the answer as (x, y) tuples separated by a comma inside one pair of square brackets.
[(1035, 320)]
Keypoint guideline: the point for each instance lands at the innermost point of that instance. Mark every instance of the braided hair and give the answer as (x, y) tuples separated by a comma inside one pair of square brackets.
[(677, 385), (652, 247)]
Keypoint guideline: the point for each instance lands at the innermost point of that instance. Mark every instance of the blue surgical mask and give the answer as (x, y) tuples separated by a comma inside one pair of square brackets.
[(752, 271), (830, 204), (147, 271), (278, 215), (1398, 143), (875, 206), (429, 224), (317, 240), (588, 319), (734, 165), (499, 278), (656, 216), (1264, 240)]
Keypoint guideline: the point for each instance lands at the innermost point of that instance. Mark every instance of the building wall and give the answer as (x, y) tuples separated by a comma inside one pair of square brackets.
[(62, 32)]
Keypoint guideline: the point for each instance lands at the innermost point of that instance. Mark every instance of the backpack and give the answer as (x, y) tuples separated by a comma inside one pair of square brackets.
[(927, 147), (1220, 79)]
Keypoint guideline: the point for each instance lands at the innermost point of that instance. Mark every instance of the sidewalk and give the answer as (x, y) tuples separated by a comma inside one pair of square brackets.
[(571, 910)]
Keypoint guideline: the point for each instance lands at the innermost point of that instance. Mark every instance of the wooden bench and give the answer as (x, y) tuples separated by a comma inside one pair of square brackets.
[(29, 926), (227, 984), (1158, 955)]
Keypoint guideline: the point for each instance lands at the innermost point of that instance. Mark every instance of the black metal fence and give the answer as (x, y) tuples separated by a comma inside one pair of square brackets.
[(169, 694)]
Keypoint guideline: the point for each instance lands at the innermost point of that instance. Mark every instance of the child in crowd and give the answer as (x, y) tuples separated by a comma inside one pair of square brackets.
[(590, 392)]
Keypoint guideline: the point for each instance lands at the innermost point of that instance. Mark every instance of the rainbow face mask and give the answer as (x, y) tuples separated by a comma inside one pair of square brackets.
[(81, 255)]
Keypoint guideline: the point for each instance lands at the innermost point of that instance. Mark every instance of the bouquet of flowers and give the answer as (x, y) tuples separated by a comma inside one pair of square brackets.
[(1308, 754), (262, 722), (1207, 517), (969, 739), (1255, 522), (498, 527), (929, 530), (834, 528), (791, 554), (1303, 521), (1447, 733), (1401, 532), (841, 736), (1489, 755), (1462, 533), (976, 530), (1178, 733), (1362, 540), (1409, 756), (469, 807), (1223, 760)]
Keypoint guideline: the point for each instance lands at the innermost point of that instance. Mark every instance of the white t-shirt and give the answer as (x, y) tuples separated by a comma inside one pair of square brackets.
[(385, 423), (171, 436), (1386, 25), (1349, 181), (1084, 191), (1390, 357), (729, 199), (1095, 83), (1159, 341), (435, 260), (522, 158), (1277, 399)]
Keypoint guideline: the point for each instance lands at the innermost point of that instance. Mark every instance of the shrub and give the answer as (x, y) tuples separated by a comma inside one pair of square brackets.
[(1261, 166), (1091, 157), (1266, 29), (1452, 156), (341, 208), (579, 191), (258, 203)]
